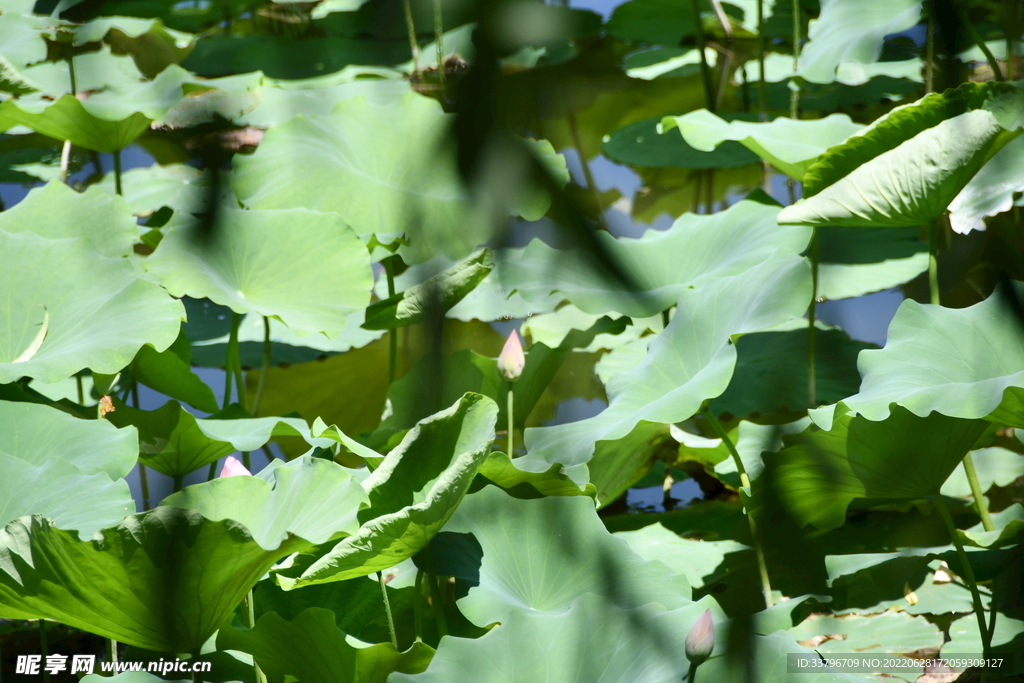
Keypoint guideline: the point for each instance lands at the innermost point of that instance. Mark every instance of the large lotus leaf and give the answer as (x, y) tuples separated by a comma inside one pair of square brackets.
[(912, 184), (552, 328), (688, 363), (639, 144), (68, 119), (170, 373), (413, 492), (618, 465), (60, 491), (991, 190), (1008, 524), (880, 634), (979, 348), (852, 32), (820, 472), (389, 166), (788, 145), (21, 40), (662, 264), (658, 22), (965, 637), (163, 580), (857, 261), (994, 466), (257, 261), (312, 498), (543, 554), (91, 311), (34, 433), (905, 122), (696, 560), (440, 292), (147, 189), (312, 649), (174, 442), (500, 470), (779, 67)]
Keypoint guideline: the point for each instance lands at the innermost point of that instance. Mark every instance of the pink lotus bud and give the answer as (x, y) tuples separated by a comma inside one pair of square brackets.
[(701, 639), (512, 360), (233, 468)]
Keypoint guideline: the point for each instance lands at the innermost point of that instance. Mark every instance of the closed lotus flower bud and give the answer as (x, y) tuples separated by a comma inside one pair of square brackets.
[(701, 639), (233, 468), (512, 359)]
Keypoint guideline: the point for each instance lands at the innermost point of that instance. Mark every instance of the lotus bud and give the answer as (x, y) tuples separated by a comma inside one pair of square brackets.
[(512, 360), (701, 639), (233, 468)]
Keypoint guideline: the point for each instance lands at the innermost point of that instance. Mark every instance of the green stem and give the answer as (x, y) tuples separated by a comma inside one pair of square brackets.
[(979, 610), (705, 70), (980, 42), (177, 483), (112, 651), (117, 172), (212, 471), (762, 566), (691, 675), (234, 361), (44, 649), (929, 64), (71, 70), (81, 390), (439, 620), (439, 39), (933, 263), (387, 609), (980, 502), (812, 380), (245, 461), (389, 272), (250, 613), (414, 45), (762, 86), (417, 606), (511, 420), (794, 92), (144, 483), (264, 367)]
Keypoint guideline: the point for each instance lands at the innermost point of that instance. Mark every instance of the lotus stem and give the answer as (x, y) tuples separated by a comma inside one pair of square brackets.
[(929, 63), (65, 160), (144, 483), (933, 264), (43, 648), (212, 471), (177, 483), (794, 92), (511, 421), (264, 367), (387, 609), (233, 364), (417, 606), (980, 502), (979, 609), (250, 613), (117, 173), (81, 389), (112, 652), (691, 675), (414, 45), (389, 272), (705, 70), (439, 39), (812, 380), (762, 566), (980, 42), (246, 461), (762, 86), (71, 69)]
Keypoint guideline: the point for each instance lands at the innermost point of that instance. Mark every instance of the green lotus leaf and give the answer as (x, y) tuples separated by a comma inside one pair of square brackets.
[(620, 464), (552, 328), (95, 72), (69, 119), (965, 637), (147, 189), (845, 32), (857, 261), (91, 312), (779, 67), (164, 580), (501, 471), (688, 363), (442, 291), (239, 266), (1008, 525), (907, 121), (544, 569), (148, 41), (311, 498), (911, 184), (35, 433), (788, 145), (413, 492), (696, 560), (975, 381), (820, 472), (889, 633), (363, 151), (752, 440), (174, 442), (170, 373), (994, 467), (694, 251), (311, 648), (660, 22), (991, 191), (639, 144)]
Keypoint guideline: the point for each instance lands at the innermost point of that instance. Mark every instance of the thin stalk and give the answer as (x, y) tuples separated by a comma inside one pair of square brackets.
[(929, 64), (112, 651), (117, 172), (794, 92), (234, 362), (511, 421), (439, 39), (264, 367), (980, 42), (933, 264), (414, 45), (705, 70), (245, 461), (81, 389), (762, 86), (417, 606), (65, 160), (43, 648), (812, 380), (177, 484), (267, 452), (250, 613), (692, 673), (587, 175), (762, 566), (144, 483), (387, 609), (980, 502), (439, 620), (389, 272), (212, 472), (979, 610), (71, 71)]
